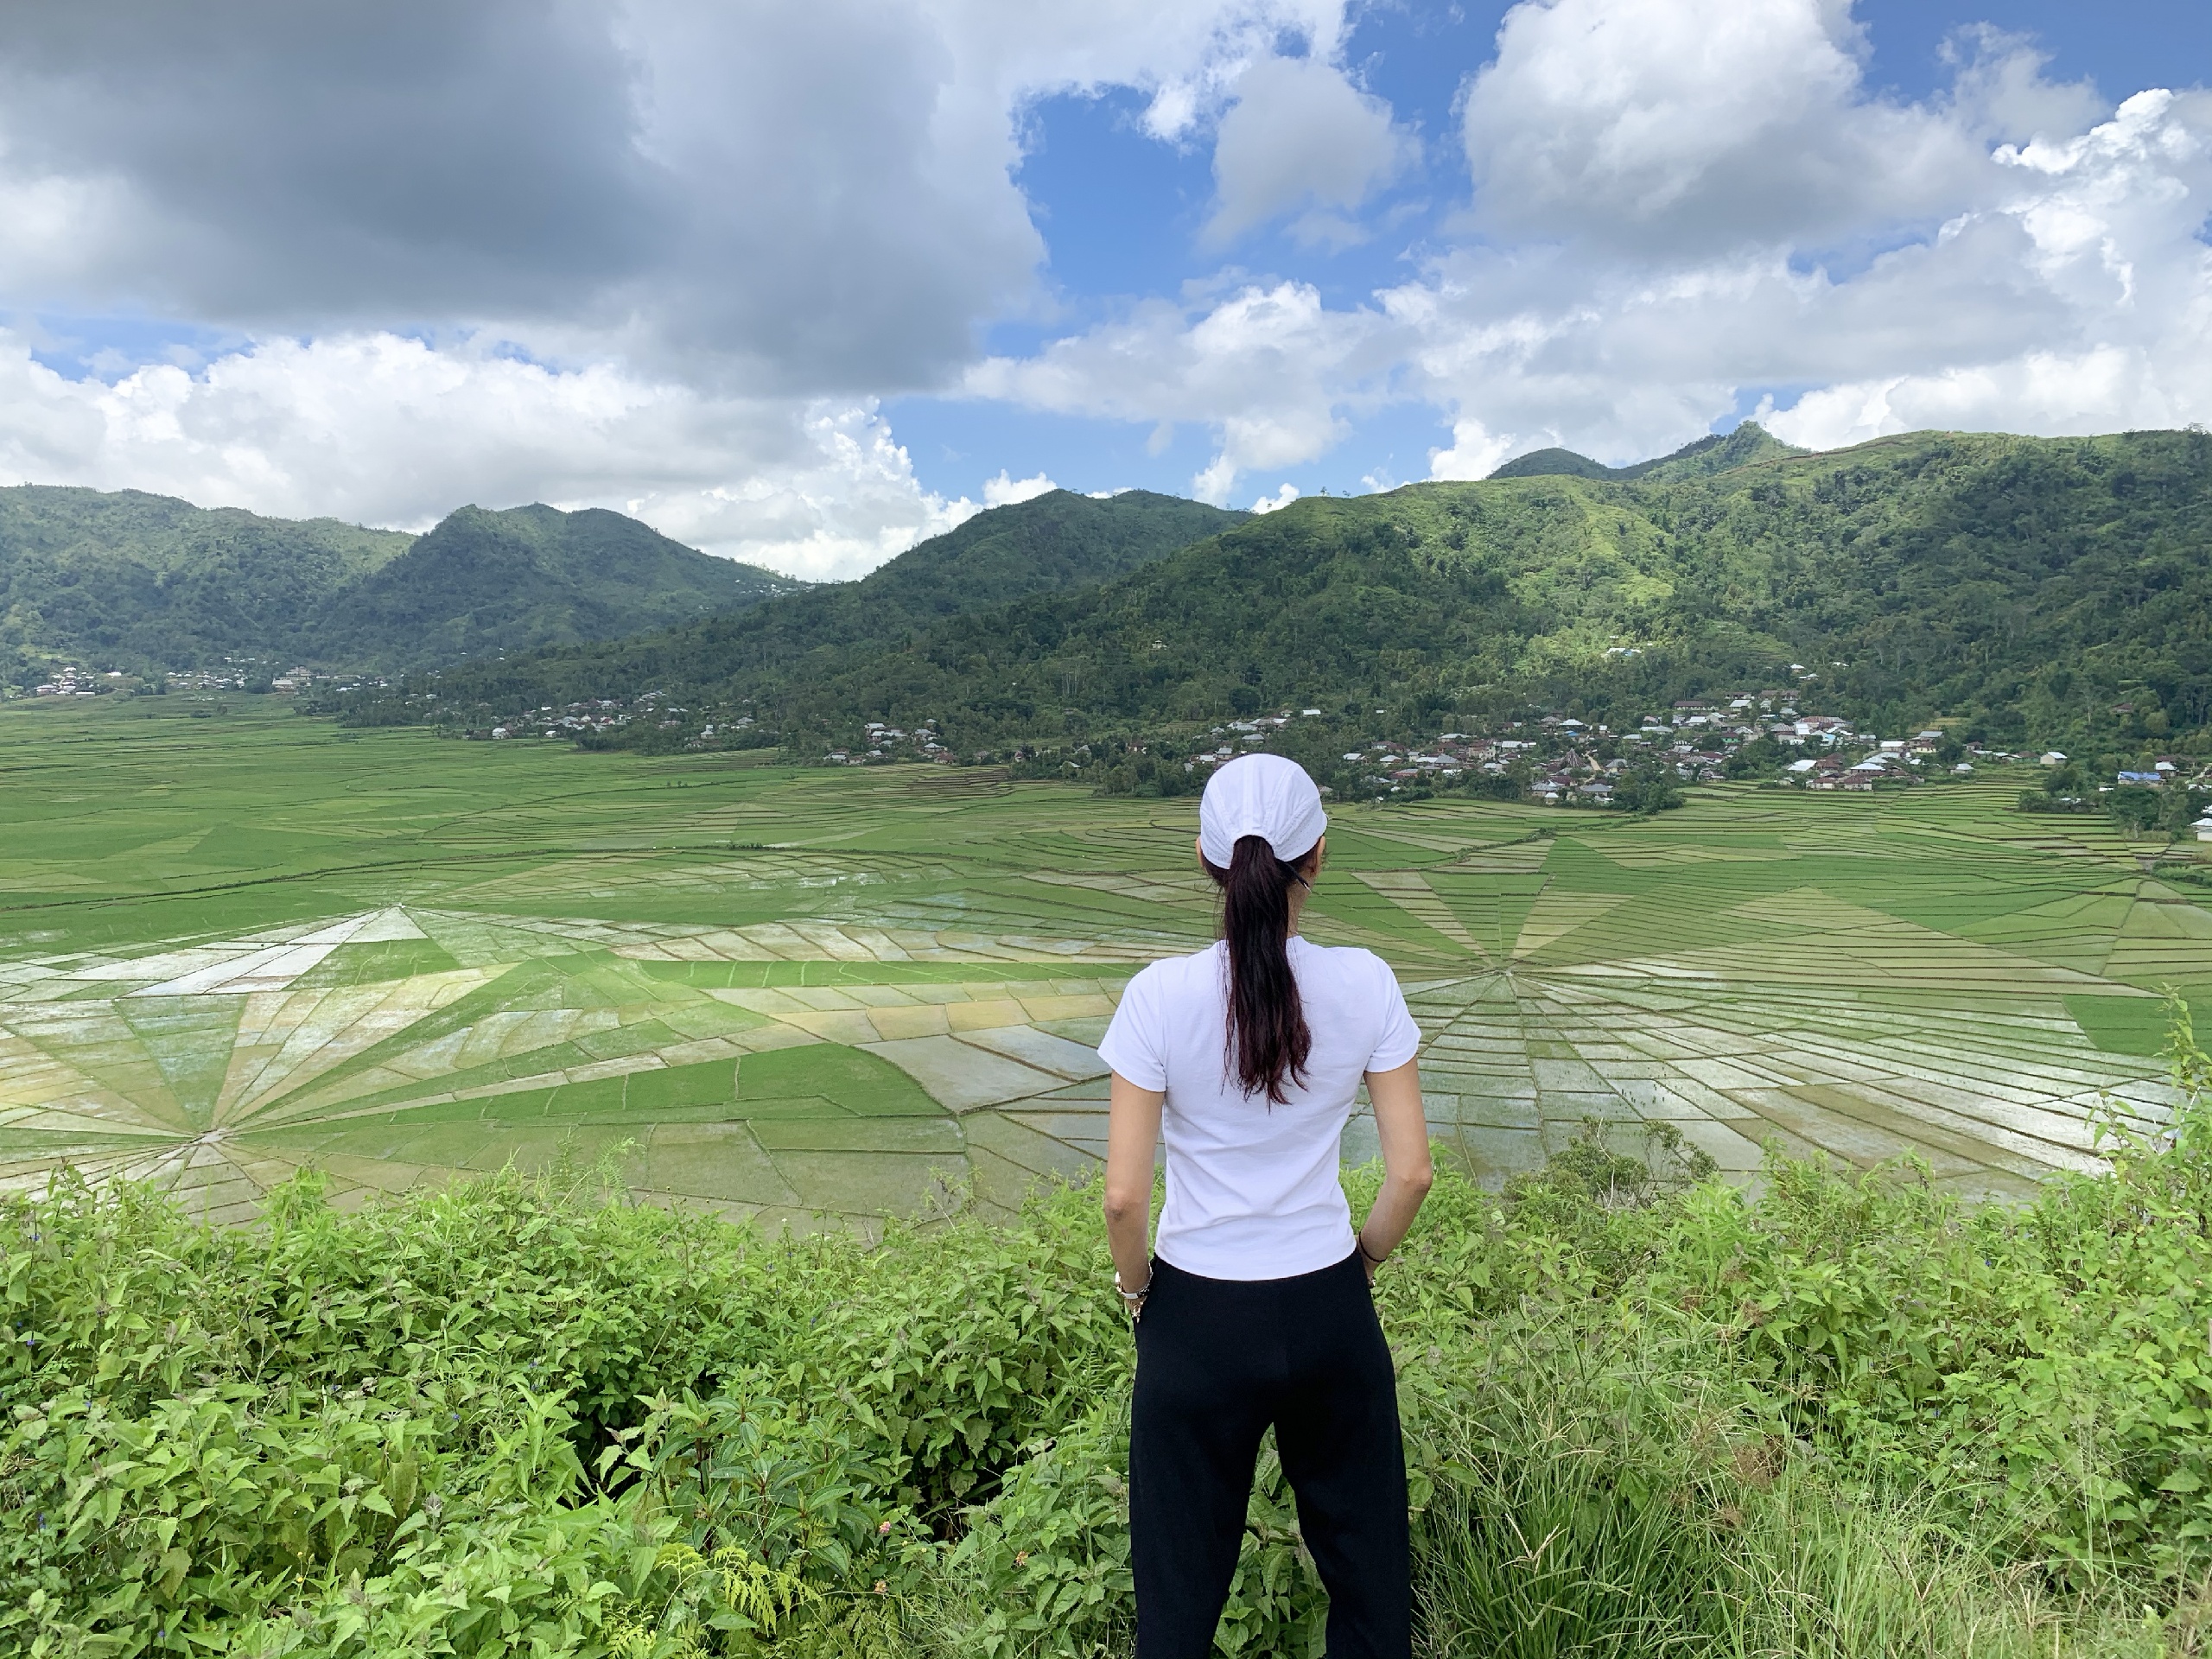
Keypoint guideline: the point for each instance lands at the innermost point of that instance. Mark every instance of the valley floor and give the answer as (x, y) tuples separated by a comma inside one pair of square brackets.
[(235, 944)]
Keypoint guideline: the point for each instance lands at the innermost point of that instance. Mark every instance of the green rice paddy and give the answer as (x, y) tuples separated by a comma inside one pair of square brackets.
[(232, 947)]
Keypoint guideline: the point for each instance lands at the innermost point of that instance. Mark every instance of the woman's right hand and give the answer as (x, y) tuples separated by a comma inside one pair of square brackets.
[(1406, 1170)]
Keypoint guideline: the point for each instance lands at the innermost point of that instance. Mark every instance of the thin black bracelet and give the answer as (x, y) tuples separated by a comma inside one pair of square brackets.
[(1359, 1244)]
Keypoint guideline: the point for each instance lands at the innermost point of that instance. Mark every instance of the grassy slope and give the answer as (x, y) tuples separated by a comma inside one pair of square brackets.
[(153, 581)]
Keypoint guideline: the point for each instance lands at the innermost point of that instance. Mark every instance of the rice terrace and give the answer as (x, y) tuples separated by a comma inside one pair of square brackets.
[(233, 947)]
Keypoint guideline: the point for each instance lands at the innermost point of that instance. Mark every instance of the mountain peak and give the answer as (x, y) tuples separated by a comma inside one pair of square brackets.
[(1714, 452), (1553, 463), (153, 581)]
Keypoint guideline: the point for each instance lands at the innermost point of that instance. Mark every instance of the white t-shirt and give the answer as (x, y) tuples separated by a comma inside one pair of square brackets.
[(1252, 1189)]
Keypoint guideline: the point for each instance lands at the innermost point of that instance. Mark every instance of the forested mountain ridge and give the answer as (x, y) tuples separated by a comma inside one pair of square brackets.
[(1716, 452), (2029, 589), (1050, 543), (149, 582), (153, 582), (528, 578)]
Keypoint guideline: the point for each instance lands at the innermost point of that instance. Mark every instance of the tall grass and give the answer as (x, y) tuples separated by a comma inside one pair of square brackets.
[(1581, 1486), (1836, 1573), (1612, 1497)]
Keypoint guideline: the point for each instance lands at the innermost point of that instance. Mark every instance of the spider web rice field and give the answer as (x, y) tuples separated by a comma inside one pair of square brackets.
[(234, 946)]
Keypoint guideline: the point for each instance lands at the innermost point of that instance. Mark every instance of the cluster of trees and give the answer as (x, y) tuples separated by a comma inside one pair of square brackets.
[(2165, 809)]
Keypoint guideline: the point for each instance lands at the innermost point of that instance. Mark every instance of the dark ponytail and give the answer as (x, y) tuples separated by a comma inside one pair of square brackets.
[(1267, 1040)]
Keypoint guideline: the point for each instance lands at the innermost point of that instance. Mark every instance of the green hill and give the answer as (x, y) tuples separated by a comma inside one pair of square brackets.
[(532, 576), (150, 581), (1553, 463), (2031, 588), (1052, 543), (1714, 454)]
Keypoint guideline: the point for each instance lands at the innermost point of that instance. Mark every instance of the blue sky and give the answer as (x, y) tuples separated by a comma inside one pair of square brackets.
[(1122, 214), (804, 284)]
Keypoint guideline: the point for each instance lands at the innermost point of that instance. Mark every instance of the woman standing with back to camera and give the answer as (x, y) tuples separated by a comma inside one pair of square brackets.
[(1256, 1308)]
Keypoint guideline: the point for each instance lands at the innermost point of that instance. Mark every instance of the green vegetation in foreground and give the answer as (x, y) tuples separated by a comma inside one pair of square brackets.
[(1643, 1418), (2028, 590), (149, 582), (238, 946)]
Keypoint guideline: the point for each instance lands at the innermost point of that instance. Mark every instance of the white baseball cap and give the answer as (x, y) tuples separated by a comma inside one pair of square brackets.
[(1260, 794)]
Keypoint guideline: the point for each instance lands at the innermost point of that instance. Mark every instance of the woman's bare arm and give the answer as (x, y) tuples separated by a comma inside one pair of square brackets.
[(1132, 1141), (1406, 1175)]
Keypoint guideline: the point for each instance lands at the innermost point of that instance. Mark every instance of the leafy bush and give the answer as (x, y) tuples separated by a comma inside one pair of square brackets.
[(1044, 1567), (958, 1358)]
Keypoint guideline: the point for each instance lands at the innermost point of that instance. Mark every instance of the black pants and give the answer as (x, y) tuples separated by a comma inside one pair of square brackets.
[(1217, 1361)]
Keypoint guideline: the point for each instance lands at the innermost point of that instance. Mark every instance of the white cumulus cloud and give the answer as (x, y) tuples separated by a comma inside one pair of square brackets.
[(387, 430), (1301, 138), (1004, 492), (1683, 207), (664, 256), (654, 254), (802, 199), (1268, 367), (1688, 126)]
